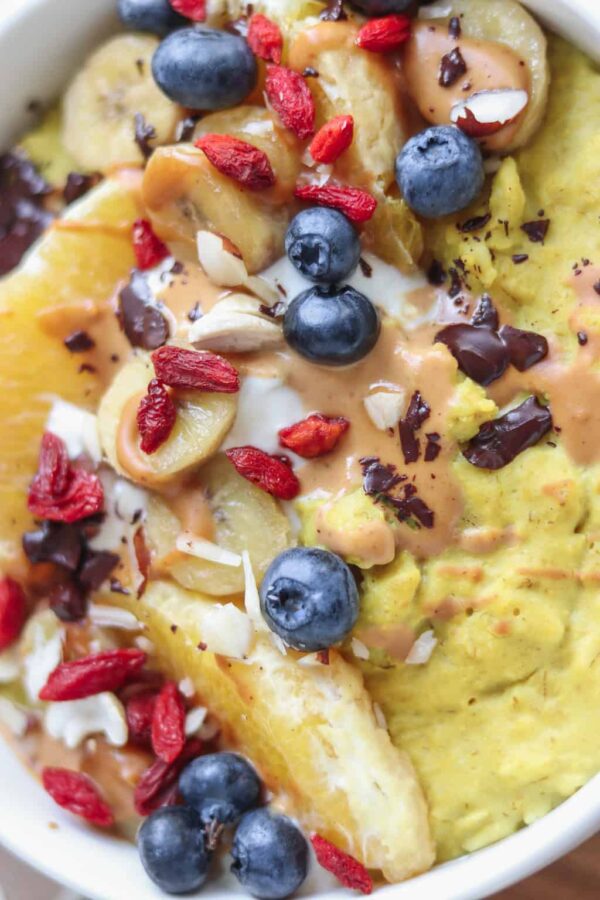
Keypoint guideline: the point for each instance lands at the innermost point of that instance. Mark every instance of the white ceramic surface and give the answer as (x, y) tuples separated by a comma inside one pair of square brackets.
[(41, 43)]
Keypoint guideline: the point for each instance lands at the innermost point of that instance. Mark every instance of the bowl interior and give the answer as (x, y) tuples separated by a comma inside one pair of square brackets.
[(41, 43)]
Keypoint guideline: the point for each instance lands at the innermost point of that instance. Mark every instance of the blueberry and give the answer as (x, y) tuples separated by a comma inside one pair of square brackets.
[(334, 327), (270, 855), (220, 786), (439, 171), (156, 16), (381, 7), (172, 849), (203, 68), (323, 245), (309, 598)]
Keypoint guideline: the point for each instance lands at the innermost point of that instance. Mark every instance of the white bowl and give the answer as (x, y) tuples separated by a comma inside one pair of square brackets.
[(41, 43)]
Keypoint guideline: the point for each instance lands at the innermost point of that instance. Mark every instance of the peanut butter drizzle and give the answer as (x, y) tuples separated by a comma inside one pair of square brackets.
[(308, 45), (572, 389), (396, 640), (490, 66), (373, 542), (131, 459)]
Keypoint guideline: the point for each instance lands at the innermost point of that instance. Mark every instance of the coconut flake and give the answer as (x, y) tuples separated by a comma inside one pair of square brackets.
[(226, 631), (195, 720), (77, 427), (143, 643), (189, 543), (13, 718), (360, 650), (421, 650), (113, 617), (10, 666), (225, 269), (75, 720), (44, 638), (186, 687), (251, 597), (385, 408), (379, 716)]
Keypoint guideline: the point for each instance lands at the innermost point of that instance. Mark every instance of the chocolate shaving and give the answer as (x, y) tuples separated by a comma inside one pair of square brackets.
[(498, 442), (479, 352), (485, 315), (54, 542), (409, 508), (79, 342), (474, 224), (68, 602), (334, 12), (454, 29), (536, 230), (143, 134), (452, 67), (417, 413), (436, 274), (195, 313), (365, 268), (378, 478), (432, 448), (526, 348), (23, 216), (381, 480), (519, 258), (77, 185), (185, 129), (143, 324), (277, 311)]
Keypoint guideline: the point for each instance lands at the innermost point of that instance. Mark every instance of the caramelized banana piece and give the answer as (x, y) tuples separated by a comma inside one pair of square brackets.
[(309, 729), (202, 422), (226, 509), (183, 194)]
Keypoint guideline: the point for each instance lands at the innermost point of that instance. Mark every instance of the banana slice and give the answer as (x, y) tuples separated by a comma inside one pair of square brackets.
[(202, 422), (233, 513), (102, 100), (183, 194), (310, 730)]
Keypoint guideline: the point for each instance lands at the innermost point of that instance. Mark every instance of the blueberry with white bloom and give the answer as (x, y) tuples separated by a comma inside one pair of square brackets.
[(323, 245), (440, 171), (270, 855)]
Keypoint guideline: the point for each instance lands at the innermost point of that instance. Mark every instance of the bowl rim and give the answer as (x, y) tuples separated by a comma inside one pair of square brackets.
[(82, 859)]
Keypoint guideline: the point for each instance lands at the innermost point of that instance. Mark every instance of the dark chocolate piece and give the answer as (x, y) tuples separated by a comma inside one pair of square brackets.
[(526, 348), (143, 134), (143, 324), (68, 602), (498, 442), (77, 185), (97, 566), (452, 67), (54, 542), (536, 231), (486, 314), (479, 352), (79, 342)]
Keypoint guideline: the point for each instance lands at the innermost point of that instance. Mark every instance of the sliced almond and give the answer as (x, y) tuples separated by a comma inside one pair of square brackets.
[(421, 650), (235, 325), (196, 546), (486, 112), (226, 268), (384, 408)]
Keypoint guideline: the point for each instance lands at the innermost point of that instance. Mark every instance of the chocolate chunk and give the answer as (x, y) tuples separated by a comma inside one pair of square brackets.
[(96, 568), (582, 338), (418, 412), (435, 273), (79, 342), (536, 231), (525, 348), (365, 268), (486, 314), (68, 602), (378, 477), (185, 129), (432, 448), (334, 12), (277, 311), (195, 313), (23, 217), (452, 67), (454, 29), (143, 134), (498, 442), (54, 542), (519, 258), (77, 185), (475, 223), (310, 72), (409, 507), (142, 322), (479, 352)]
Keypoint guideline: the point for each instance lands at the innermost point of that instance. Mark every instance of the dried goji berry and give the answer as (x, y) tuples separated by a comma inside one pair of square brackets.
[(346, 869), (156, 785), (12, 611), (289, 95), (148, 248), (314, 436), (332, 139), (264, 38), (357, 205), (385, 34), (156, 417), (78, 794), (270, 473), (168, 723), (191, 9), (106, 671), (239, 160), (195, 370), (59, 491), (139, 710)]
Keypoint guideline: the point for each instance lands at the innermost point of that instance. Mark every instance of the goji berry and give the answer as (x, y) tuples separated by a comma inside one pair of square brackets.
[(357, 205), (106, 671), (168, 723), (79, 795), (270, 473), (155, 787), (12, 611), (239, 160), (139, 711), (59, 491), (195, 370), (332, 139), (289, 95), (156, 417), (314, 436), (264, 38), (385, 34), (346, 869), (148, 248), (191, 9)]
